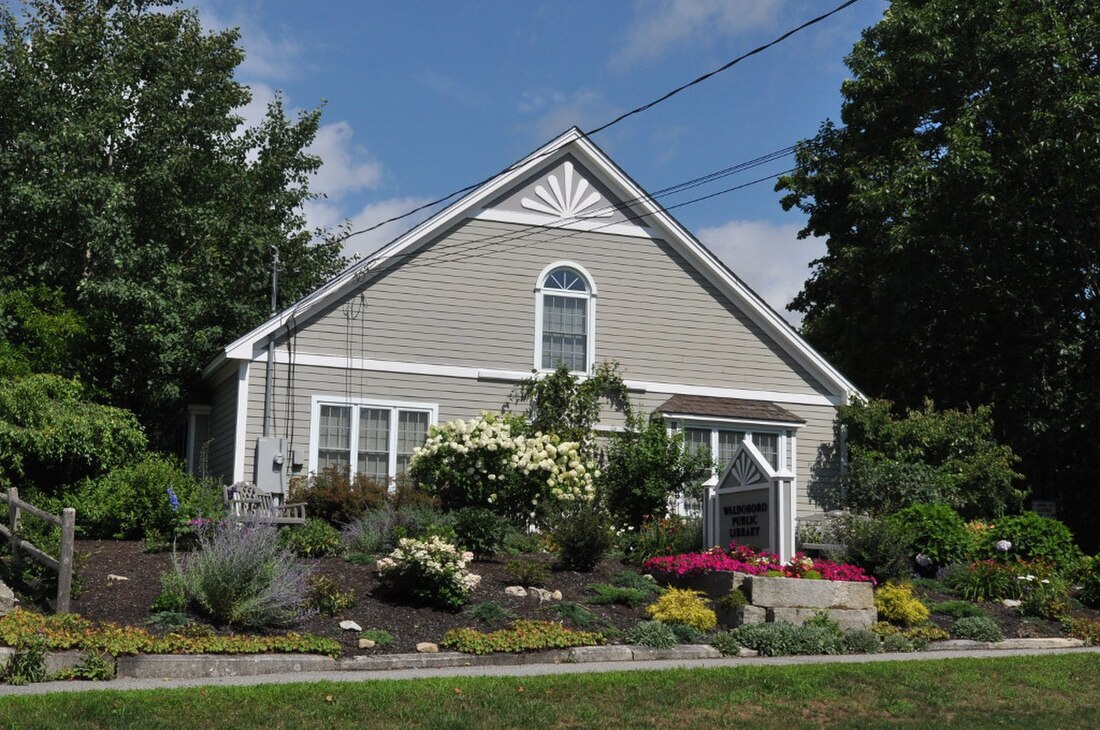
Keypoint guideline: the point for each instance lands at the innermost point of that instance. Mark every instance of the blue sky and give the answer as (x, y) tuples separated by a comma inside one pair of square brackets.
[(422, 98)]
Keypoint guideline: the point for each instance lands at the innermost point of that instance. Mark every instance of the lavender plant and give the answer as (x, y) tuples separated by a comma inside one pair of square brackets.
[(240, 576)]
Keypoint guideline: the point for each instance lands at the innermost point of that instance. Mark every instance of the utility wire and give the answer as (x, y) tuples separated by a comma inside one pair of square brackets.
[(637, 110)]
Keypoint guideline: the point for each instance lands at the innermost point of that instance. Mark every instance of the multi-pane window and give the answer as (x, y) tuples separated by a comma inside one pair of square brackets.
[(566, 320), (384, 437), (721, 442)]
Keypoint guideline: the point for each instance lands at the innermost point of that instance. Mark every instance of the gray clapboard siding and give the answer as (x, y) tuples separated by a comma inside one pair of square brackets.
[(223, 425), (454, 304)]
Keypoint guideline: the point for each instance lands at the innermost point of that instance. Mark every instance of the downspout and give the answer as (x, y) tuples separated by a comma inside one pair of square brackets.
[(269, 373)]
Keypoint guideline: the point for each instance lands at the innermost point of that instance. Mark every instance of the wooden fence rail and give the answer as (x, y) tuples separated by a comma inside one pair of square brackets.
[(62, 565)]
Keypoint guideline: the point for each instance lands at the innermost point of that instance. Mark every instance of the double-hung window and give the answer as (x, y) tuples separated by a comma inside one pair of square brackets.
[(373, 438), (721, 441), (565, 318)]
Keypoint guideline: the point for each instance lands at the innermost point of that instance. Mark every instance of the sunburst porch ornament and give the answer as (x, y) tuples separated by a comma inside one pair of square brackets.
[(569, 198)]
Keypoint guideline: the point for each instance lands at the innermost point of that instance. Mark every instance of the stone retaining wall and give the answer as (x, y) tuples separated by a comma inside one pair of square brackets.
[(793, 600)]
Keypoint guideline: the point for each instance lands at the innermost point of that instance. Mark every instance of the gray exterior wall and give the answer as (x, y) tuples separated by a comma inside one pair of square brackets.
[(453, 304), (223, 425)]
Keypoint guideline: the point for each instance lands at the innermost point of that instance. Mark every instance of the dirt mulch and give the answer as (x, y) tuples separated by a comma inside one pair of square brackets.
[(127, 602)]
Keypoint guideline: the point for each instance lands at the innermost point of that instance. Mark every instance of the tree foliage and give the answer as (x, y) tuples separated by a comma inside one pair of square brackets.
[(128, 183), (961, 204), (568, 406), (949, 457)]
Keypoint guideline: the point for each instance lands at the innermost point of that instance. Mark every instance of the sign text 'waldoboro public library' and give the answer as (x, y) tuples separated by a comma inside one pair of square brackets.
[(745, 518)]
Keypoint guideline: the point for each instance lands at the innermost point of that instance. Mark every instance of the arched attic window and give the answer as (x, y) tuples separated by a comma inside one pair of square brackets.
[(565, 318)]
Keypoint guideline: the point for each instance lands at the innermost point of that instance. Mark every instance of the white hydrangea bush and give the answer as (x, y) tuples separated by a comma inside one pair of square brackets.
[(490, 461), (433, 571)]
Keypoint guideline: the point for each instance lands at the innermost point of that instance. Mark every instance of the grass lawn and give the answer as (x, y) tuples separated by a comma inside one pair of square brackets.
[(1051, 691)]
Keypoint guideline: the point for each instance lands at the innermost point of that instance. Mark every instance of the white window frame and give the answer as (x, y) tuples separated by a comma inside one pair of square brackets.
[(356, 404), (786, 432), (590, 314)]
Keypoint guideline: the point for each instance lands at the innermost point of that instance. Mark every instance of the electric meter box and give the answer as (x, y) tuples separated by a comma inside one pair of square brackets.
[(272, 461)]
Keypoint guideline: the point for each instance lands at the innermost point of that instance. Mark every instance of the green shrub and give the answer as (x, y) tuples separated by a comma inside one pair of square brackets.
[(897, 643), (654, 634), (1046, 597), (726, 642), (242, 577), (326, 597), (1090, 583), (976, 628), (336, 497), (314, 539), (582, 537), (575, 613), (645, 583), (687, 634), (681, 606), (522, 542), (1083, 628), (822, 620), (92, 667), (134, 502), (935, 531), (490, 613), (929, 456), (173, 597), (520, 637), (480, 531), (862, 641), (665, 536), (527, 572), (896, 603), (421, 522), (603, 594), (378, 531), (646, 466), (1033, 538), (958, 609), (380, 637), (872, 543), (733, 600), (919, 635), (784, 639)]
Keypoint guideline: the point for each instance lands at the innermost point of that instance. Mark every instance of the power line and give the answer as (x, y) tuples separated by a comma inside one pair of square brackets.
[(637, 110)]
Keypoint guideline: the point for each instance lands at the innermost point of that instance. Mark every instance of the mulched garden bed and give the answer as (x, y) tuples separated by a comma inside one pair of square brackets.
[(127, 601)]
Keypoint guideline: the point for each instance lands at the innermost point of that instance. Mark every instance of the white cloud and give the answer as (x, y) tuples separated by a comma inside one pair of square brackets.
[(346, 167), (558, 112), (660, 25), (266, 56), (768, 257)]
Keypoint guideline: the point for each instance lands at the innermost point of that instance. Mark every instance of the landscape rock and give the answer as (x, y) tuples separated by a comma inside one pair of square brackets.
[(350, 626), (366, 644), (517, 591), (7, 599), (1012, 603), (112, 576), (427, 647), (540, 593), (555, 596)]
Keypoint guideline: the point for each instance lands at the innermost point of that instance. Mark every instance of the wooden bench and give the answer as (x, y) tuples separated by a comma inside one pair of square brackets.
[(820, 523), (248, 503)]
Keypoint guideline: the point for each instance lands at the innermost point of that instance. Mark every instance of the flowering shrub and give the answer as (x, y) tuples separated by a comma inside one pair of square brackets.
[(994, 580), (1031, 537), (429, 570), (521, 636), (677, 606), (490, 460), (743, 559)]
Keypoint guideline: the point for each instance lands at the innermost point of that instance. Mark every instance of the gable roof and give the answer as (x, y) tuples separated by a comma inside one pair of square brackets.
[(576, 144)]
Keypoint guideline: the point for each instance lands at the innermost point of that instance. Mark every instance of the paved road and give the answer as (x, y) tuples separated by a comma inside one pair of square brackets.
[(526, 670)]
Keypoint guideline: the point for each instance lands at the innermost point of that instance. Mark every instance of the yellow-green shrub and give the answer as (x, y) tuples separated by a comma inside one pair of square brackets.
[(682, 606), (897, 604)]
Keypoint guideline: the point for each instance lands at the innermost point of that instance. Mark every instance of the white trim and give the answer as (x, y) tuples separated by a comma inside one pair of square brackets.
[(242, 422), (193, 412), (632, 230), (515, 376), (664, 225), (338, 399), (590, 312)]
